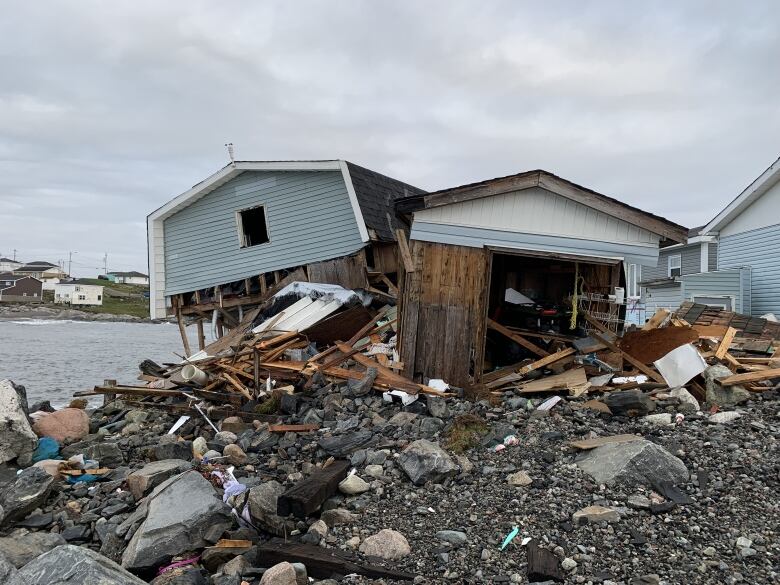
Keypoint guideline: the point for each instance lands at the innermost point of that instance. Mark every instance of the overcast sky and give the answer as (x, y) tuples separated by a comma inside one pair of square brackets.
[(109, 109)]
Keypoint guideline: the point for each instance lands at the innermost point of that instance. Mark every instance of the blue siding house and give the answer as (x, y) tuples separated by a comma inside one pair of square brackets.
[(253, 219), (748, 232)]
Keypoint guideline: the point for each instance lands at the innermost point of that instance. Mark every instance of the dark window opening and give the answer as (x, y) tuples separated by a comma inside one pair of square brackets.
[(253, 227)]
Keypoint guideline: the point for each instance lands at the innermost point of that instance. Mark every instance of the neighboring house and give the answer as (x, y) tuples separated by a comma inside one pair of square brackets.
[(661, 286), (8, 265), (747, 279), (131, 277), (251, 225), (41, 270), (73, 293), (509, 251), (19, 288)]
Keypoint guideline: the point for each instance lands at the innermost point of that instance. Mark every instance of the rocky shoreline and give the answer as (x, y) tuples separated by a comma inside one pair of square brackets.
[(692, 501), (17, 312)]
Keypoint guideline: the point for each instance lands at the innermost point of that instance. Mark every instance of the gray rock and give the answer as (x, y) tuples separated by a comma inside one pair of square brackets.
[(73, 565), (236, 566), (262, 507), (280, 574), (364, 385), (22, 547), (568, 564), (151, 475), (634, 462), (7, 569), (337, 517), (519, 479), (638, 502), (723, 418), (687, 401), (386, 544), (17, 439), (342, 445), (181, 513), (26, 493), (595, 514), (353, 485), (723, 395), (425, 461), (174, 450), (660, 420), (453, 537), (437, 407), (181, 576)]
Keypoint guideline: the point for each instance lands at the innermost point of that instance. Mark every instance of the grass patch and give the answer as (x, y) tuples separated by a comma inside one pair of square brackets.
[(271, 405), (138, 307), (465, 433)]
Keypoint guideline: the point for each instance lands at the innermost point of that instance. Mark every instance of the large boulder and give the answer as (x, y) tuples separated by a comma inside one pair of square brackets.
[(151, 475), (73, 565), (17, 439), (21, 546), (386, 544), (635, 462), (723, 395), (425, 461), (183, 513), (263, 500), (68, 424), (280, 574), (28, 491)]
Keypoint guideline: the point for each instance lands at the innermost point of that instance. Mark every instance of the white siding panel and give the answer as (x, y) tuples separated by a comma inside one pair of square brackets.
[(729, 283), (537, 211), (662, 297), (762, 213)]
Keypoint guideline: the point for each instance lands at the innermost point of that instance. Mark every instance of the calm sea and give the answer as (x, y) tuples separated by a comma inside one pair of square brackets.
[(53, 359)]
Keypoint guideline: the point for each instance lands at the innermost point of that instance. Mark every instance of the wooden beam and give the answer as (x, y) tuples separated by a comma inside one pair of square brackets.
[(306, 496), (201, 335), (749, 377), (182, 329), (533, 348), (655, 321), (513, 373), (725, 343), (403, 248)]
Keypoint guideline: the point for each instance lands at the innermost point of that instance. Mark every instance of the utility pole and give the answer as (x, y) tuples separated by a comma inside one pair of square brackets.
[(15, 251), (105, 264), (70, 261)]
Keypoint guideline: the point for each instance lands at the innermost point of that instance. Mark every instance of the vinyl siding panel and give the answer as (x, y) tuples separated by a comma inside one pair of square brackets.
[(309, 219), (757, 249), (730, 283), (475, 237), (661, 297), (690, 260), (537, 211)]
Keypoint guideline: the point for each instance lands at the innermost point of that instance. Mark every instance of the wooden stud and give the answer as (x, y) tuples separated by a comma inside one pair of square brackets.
[(749, 377), (725, 343), (403, 248), (533, 348)]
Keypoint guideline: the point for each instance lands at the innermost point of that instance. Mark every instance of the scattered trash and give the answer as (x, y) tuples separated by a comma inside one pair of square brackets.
[(510, 537)]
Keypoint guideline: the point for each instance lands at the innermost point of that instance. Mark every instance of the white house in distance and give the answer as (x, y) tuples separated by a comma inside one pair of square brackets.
[(74, 293), (131, 277), (9, 265)]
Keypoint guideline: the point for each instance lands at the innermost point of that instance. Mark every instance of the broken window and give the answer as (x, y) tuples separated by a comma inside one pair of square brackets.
[(252, 226), (675, 265)]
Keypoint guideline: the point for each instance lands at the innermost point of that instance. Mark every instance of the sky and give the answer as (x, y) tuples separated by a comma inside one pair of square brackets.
[(110, 109)]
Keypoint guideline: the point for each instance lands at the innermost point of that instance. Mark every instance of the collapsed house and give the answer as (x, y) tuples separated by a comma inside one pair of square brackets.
[(252, 228), (500, 258)]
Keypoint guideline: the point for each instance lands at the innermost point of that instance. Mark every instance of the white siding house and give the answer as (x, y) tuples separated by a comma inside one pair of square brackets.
[(748, 231), (78, 294)]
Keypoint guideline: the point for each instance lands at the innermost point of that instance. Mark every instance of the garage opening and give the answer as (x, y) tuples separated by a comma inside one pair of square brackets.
[(531, 297)]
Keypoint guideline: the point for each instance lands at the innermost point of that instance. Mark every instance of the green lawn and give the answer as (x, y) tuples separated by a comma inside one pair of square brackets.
[(119, 299)]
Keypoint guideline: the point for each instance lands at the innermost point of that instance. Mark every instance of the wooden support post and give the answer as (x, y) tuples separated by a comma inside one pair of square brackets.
[(108, 397), (261, 282), (201, 335), (182, 330), (277, 277), (403, 248), (247, 286)]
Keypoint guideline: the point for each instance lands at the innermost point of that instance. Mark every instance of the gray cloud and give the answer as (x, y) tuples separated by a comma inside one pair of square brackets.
[(107, 110)]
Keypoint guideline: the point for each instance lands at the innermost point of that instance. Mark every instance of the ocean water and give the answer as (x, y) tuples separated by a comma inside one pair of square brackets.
[(54, 359)]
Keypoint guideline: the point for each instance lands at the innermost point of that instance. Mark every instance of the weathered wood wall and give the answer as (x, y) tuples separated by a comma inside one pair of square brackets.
[(442, 324), (346, 271)]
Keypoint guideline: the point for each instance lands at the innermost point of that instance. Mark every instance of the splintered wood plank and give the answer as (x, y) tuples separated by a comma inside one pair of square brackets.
[(710, 330), (518, 339), (237, 385), (304, 428), (749, 377), (568, 380), (514, 373), (725, 343), (656, 320), (586, 444), (403, 248)]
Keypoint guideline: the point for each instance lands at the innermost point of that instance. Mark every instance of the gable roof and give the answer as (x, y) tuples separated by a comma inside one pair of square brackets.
[(9, 260), (131, 273), (372, 194), (554, 184), (42, 267), (751, 193)]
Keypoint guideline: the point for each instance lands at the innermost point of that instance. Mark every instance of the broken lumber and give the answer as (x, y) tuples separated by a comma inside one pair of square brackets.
[(306, 496), (586, 444), (304, 428), (749, 377), (725, 343), (322, 563), (514, 373), (532, 347), (656, 320), (651, 373), (543, 565)]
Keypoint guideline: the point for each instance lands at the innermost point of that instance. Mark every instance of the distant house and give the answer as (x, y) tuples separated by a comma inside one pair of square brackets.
[(16, 288), (8, 265), (747, 279), (75, 293), (41, 270), (131, 277), (661, 286), (252, 224)]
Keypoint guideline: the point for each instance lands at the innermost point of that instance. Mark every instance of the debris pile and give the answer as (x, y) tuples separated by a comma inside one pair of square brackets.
[(294, 450)]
